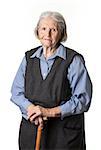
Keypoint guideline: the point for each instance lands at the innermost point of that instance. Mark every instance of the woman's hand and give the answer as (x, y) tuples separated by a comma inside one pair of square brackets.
[(33, 111), (50, 112), (37, 112), (37, 121), (30, 112)]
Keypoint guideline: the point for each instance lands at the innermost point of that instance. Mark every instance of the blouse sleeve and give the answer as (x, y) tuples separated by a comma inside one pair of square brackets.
[(81, 89)]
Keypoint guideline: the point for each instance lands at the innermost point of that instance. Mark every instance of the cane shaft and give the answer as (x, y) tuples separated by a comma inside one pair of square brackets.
[(38, 138)]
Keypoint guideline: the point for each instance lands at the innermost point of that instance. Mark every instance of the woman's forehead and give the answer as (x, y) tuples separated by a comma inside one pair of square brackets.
[(48, 21)]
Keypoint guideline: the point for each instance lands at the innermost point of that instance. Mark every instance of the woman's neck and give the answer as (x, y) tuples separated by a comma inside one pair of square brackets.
[(49, 51)]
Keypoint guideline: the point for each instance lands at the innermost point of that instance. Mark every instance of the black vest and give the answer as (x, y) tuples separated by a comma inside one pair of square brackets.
[(66, 134), (55, 88)]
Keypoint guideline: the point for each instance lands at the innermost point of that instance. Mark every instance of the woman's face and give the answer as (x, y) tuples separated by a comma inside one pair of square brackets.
[(48, 32)]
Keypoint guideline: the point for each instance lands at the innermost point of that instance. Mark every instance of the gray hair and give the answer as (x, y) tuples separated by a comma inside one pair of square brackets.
[(60, 21)]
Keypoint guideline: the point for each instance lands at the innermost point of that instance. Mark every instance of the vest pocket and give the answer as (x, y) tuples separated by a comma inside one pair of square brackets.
[(75, 122)]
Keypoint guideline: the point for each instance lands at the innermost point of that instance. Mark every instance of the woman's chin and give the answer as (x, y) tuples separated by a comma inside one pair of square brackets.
[(47, 45)]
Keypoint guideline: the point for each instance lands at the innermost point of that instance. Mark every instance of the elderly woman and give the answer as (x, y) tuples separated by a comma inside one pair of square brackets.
[(52, 81)]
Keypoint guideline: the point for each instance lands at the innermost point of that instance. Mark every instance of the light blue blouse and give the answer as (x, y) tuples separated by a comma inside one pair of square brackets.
[(77, 75)]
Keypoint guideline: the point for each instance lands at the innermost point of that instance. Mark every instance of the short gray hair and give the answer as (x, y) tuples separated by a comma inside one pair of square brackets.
[(59, 19)]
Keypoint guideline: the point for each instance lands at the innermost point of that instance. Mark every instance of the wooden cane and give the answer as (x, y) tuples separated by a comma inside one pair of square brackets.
[(39, 133), (38, 138)]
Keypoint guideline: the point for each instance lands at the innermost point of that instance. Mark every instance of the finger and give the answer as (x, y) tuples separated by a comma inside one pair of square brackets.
[(36, 121), (34, 111), (30, 115), (33, 117), (40, 122)]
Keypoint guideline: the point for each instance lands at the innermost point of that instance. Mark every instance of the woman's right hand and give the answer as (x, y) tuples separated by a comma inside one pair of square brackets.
[(30, 112), (38, 121)]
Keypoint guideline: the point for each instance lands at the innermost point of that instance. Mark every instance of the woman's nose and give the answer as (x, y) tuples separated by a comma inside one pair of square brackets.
[(48, 32)]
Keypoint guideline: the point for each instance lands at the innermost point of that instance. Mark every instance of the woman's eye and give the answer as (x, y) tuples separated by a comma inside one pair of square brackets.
[(54, 29), (44, 28)]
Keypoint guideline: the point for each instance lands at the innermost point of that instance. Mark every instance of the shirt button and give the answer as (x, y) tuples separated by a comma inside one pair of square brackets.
[(44, 74)]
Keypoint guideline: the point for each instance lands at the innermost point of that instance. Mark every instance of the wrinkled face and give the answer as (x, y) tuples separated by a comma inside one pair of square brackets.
[(48, 32)]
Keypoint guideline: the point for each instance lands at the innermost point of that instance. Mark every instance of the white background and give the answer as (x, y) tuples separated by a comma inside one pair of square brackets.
[(18, 19)]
